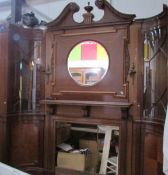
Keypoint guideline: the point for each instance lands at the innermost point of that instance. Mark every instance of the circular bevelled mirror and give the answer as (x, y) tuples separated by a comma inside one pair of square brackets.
[(88, 63)]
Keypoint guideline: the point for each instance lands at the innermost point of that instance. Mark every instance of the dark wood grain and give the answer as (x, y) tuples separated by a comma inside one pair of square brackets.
[(3, 93), (26, 140)]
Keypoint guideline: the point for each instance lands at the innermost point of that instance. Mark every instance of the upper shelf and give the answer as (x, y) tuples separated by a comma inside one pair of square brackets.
[(86, 103)]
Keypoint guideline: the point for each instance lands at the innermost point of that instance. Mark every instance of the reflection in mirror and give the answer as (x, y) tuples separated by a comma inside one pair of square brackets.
[(87, 148), (88, 62)]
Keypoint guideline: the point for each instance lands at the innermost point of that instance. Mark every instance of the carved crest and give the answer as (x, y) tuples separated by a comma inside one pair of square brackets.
[(111, 17)]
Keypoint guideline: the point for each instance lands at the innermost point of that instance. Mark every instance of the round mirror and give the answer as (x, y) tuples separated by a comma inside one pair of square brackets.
[(88, 62)]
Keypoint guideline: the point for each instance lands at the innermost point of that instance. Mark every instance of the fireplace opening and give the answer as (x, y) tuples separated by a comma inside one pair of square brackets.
[(87, 148)]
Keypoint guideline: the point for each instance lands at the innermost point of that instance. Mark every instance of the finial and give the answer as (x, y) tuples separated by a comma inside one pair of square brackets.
[(88, 8), (88, 16)]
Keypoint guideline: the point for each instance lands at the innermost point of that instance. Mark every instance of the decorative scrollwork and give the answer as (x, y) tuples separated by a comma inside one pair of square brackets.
[(100, 4)]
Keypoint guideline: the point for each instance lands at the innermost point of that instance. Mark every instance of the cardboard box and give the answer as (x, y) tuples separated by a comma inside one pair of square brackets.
[(74, 161)]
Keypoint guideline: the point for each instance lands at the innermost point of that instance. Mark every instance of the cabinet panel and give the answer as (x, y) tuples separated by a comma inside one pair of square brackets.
[(152, 149), (26, 141), (3, 92), (3, 105), (2, 139), (3, 70)]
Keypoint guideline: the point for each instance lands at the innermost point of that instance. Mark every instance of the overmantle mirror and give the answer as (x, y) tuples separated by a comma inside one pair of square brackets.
[(88, 63)]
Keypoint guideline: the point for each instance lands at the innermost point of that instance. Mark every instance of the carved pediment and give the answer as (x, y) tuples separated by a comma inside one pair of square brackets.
[(66, 17), (111, 17)]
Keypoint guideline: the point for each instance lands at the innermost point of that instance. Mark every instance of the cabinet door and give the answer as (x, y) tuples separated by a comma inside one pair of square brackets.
[(26, 141), (152, 149), (3, 71), (3, 91)]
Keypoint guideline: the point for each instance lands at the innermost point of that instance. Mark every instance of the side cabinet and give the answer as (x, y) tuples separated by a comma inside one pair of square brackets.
[(21, 88), (150, 95)]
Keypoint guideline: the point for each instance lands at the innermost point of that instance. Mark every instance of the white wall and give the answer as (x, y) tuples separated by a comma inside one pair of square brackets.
[(53, 9), (4, 14), (50, 10), (142, 8)]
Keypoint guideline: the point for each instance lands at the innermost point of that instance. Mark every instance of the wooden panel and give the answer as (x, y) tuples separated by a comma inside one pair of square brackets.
[(94, 112), (135, 79), (26, 141), (60, 80), (3, 93), (152, 149), (60, 171), (38, 171), (2, 139), (136, 148), (153, 155), (3, 105), (3, 70)]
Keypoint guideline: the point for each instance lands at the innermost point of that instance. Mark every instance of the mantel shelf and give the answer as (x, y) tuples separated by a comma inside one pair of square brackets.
[(86, 103)]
